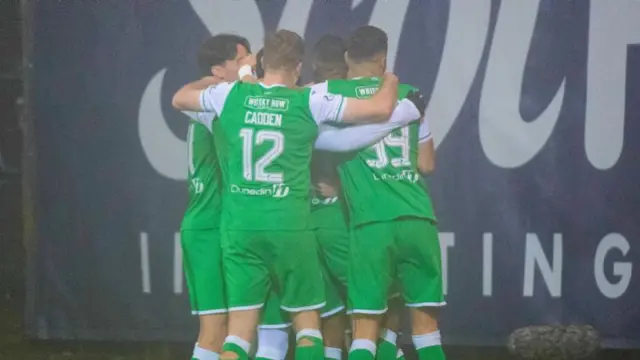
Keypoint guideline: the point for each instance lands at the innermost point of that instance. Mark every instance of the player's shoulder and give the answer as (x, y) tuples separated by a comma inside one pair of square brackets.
[(226, 85), (405, 89), (319, 88)]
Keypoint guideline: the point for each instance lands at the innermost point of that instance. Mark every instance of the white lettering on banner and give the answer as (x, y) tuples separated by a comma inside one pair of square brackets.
[(534, 257), (177, 265), (447, 240), (487, 264), (508, 140), (613, 26), (464, 43), (165, 151), (620, 269), (552, 275), (145, 270)]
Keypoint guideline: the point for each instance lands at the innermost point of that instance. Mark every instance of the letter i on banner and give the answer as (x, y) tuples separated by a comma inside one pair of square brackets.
[(447, 240), (145, 270)]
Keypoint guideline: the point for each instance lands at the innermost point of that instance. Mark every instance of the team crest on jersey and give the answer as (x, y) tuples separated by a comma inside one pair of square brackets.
[(266, 103)]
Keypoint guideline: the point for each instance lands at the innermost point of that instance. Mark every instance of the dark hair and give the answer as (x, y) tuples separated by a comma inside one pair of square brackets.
[(283, 50), (259, 67), (328, 59), (366, 42), (218, 49)]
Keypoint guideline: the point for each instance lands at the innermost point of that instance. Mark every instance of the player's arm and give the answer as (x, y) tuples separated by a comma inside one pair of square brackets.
[(358, 137), (326, 107), (375, 109), (188, 98), (202, 95), (426, 150)]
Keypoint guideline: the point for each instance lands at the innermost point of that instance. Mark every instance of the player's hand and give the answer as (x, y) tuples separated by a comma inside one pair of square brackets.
[(418, 101), (390, 78), (248, 60), (326, 190)]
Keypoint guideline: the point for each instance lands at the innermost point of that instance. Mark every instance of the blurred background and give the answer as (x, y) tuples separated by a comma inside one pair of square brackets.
[(534, 109)]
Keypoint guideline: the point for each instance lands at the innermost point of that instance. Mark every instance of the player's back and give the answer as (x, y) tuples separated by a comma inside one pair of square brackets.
[(382, 183), (264, 138)]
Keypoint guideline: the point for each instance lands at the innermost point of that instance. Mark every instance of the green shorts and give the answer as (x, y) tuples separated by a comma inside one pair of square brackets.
[(406, 251), (255, 262), (333, 246), (202, 262), (273, 317)]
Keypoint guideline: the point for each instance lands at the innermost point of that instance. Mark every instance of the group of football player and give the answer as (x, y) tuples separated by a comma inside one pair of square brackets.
[(307, 204)]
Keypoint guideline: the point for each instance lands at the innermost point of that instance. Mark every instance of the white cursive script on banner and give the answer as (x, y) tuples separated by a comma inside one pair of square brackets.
[(507, 140)]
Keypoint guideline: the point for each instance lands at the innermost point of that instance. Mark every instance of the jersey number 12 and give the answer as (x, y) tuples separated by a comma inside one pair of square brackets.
[(256, 171)]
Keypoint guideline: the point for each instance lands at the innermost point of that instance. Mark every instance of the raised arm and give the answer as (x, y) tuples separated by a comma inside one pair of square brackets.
[(375, 109), (188, 97), (426, 150), (330, 107), (358, 137), (202, 95)]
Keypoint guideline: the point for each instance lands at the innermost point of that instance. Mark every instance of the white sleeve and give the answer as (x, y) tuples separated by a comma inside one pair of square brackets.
[(325, 106), (205, 118), (424, 134), (212, 98), (359, 137)]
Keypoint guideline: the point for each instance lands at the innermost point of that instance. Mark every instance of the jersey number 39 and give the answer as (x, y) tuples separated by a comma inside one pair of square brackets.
[(256, 171), (397, 141)]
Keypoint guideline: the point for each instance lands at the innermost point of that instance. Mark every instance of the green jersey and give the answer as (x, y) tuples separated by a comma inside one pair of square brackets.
[(382, 182), (264, 139), (205, 203)]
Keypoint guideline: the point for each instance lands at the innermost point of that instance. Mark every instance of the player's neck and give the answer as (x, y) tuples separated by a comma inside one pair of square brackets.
[(279, 78), (364, 70)]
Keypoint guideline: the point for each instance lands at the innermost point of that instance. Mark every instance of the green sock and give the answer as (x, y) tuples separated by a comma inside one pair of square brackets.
[(242, 355), (431, 353), (400, 355), (386, 350), (310, 352), (361, 354)]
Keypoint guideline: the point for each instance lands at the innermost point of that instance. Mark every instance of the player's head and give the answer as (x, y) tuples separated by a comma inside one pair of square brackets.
[(367, 45), (219, 56), (283, 53), (259, 67), (329, 59)]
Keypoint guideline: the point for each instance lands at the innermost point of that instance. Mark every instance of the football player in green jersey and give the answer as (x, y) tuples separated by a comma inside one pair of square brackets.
[(264, 139), (394, 237), (328, 223), (327, 210), (219, 57)]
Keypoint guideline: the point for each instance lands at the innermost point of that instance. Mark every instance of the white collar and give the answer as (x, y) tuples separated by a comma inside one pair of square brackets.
[(270, 86)]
